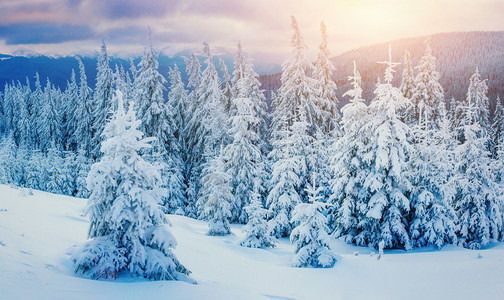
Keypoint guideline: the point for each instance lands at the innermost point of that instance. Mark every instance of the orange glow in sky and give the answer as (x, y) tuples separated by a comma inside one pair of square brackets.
[(261, 25)]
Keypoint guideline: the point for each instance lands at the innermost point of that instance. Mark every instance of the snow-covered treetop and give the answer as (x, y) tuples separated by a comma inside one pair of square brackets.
[(121, 132), (389, 72), (356, 92)]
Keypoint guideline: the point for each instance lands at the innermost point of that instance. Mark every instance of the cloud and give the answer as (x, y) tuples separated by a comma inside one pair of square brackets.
[(37, 33), (133, 9), (132, 34)]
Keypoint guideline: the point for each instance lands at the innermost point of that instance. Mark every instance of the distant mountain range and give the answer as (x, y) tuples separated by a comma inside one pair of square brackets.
[(58, 69), (458, 55)]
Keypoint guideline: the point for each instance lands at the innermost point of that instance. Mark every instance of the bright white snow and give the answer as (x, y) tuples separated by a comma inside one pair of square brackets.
[(39, 232)]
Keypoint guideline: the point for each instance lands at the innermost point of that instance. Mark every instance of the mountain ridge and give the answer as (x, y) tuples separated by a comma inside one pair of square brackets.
[(457, 56)]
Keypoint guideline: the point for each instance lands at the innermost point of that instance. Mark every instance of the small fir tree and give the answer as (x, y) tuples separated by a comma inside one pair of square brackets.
[(256, 231), (310, 235), (127, 228)]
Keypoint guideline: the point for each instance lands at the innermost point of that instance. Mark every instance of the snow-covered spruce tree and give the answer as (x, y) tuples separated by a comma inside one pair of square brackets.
[(289, 166), (68, 113), (239, 70), (326, 101), (497, 129), (177, 99), (310, 235), (296, 102), (212, 131), (433, 220), (8, 160), (36, 100), (55, 177), (383, 175), (428, 94), (157, 121), (193, 156), (102, 101), (328, 115), (84, 114), (243, 158), (478, 202), (127, 225), (477, 97), (226, 85), (122, 82), (347, 166), (69, 173), (8, 109), (2, 116), (256, 95), (408, 77), (83, 165), (457, 119), (23, 129), (216, 196), (36, 176), (297, 94), (50, 118), (148, 96), (256, 231), (408, 83)]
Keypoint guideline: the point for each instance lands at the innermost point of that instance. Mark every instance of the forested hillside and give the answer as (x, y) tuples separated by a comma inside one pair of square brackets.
[(458, 54), (400, 171)]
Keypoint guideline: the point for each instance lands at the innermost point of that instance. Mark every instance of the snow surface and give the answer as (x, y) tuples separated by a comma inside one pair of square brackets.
[(39, 232)]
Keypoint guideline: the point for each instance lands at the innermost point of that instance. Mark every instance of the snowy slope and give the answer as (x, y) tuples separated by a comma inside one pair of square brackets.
[(39, 232)]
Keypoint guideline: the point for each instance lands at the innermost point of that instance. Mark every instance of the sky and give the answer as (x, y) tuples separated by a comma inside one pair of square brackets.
[(262, 26)]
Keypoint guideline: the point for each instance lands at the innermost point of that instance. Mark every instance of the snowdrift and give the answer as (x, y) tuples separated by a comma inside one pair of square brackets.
[(39, 232)]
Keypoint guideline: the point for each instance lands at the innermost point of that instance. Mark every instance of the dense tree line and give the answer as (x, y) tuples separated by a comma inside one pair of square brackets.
[(402, 171)]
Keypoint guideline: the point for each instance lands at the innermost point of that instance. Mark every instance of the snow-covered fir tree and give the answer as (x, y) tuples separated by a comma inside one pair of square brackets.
[(239, 70), (347, 165), (102, 101), (55, 177), (83, 165), (177, 99), (3, 128), (127, 227), (325, 87), (84, 113), (381, 177), (216, 197), (477, 97), (256, 231), (433, 220), (193, 156), (226, 86), (478, 200), (288, 168), (8, 161), (428, 94), (158, 121), (68, 112), (497, 130), (213, 130), (50, 118), (297, 94), (148, 94), (256, 95), (243, 158), (23, 129), (408, 77), (311, 233)]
